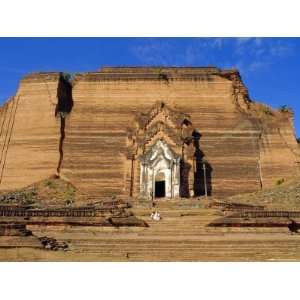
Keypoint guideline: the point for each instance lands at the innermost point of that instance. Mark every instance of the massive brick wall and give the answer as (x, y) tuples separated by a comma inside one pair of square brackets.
[(244, 148), (105, 104), (279, 150), (29, 132)]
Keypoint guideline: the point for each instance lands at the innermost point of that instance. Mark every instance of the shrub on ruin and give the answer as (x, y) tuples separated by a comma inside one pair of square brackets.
[(285, 109), (69, 202), (50, 184), (267, 111), (68, 77), (280, 181)]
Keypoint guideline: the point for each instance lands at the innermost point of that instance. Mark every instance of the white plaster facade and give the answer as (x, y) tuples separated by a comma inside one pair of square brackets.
[(160, 163)]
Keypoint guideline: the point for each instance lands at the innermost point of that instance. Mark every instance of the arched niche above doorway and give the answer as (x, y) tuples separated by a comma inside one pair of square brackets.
[(160, 172)]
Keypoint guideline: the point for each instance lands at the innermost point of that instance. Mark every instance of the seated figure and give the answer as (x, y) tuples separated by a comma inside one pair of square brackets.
[(155, 216)]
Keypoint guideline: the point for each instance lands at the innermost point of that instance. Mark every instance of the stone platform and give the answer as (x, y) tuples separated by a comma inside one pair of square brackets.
[(181, 235), (19, 242)]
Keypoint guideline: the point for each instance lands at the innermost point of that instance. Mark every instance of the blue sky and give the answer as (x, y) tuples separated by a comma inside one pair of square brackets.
[(269, 66)]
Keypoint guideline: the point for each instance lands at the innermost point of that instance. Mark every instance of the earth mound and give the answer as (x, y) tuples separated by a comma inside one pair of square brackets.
[(284, 196), (52, 191)]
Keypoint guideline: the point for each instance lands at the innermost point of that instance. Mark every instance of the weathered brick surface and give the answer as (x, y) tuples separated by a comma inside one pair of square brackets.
[(244, 148), (29, 139)]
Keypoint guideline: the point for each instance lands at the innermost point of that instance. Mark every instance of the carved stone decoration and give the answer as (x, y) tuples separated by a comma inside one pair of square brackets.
[(155, 149), (160, 164)]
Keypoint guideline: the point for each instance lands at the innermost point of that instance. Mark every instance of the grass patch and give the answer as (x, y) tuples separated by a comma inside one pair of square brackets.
[(267, 111), (285, 109), (280, 181), (50, 184), (48, 192)]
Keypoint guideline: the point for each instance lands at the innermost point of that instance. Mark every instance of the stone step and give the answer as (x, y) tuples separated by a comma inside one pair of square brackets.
[(20, 242), (178, 246)]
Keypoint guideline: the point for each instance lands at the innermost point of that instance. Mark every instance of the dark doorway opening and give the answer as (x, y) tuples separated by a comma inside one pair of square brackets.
[(160, 189)]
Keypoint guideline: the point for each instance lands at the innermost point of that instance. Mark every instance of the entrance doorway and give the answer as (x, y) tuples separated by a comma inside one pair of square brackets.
[(160, 189), (159, 172)]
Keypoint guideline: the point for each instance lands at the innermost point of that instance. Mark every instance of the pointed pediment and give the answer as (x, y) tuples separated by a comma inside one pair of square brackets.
[(158, 152), (161, 112), (160, 123), (160, 131)]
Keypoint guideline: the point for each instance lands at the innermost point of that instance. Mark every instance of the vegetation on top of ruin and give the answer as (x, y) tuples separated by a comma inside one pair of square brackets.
[(262, 111), (163, 76), (285, 109), (285, 195), (298, 140), (280, 181), (269, 114), (67, 77), (26, 197), (267, 110), (52, 191)]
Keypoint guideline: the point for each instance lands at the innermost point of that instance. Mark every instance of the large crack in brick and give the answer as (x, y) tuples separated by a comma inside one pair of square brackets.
[(63, 108)]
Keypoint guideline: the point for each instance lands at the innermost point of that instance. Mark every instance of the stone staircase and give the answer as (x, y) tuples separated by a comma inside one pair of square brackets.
[(181, 235)]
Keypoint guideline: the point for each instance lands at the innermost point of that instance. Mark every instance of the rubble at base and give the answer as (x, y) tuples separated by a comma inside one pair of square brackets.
[(53, 244)]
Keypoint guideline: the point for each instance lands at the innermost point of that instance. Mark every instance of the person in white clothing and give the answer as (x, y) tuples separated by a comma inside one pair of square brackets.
[(156, 216)]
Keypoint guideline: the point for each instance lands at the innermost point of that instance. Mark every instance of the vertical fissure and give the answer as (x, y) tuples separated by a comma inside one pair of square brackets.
[(4, 117), (61, 141), (10, 127), (7, 126), (63, 108)]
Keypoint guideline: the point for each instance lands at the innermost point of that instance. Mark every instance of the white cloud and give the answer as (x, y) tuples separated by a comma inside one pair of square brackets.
[(281, 49), (258, 54), (152, 53), (243, 40), (246, 54), (243, 46), (217, 43), (255, 66), (165, 53), (190, 55)]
